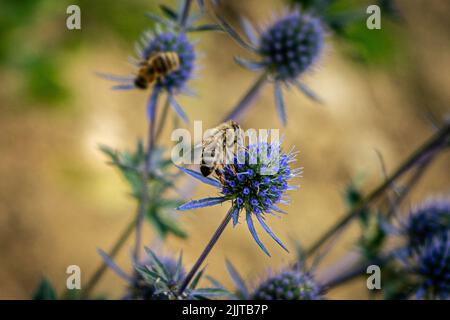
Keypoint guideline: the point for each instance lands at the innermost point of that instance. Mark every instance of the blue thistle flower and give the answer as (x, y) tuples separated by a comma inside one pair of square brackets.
[(286, 50), (173, 83), (255, 183), (291, 45), (428, 220), (289, 284), (431, 264)]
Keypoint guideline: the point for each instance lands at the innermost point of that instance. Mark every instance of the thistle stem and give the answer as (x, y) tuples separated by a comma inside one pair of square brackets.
[(349, 268), (144, 201), (206, 251), (247, 100), (440, 140), (137, 222), (163, 119)]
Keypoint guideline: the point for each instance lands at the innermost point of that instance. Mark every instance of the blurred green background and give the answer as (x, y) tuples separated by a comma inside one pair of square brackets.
[(59, 201)]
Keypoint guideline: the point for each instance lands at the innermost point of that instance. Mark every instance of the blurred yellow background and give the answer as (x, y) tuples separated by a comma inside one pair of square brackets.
[(59, 200)]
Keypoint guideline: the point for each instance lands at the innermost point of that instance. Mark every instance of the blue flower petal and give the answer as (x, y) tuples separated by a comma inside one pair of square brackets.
[(249, 31), (280, 103), (206, 202), (235, 216), (199, 176), (248, 64), (240, 283), (124, 87), (251, 227), (178, 108), (109, 261), (113, 77), (234, 35), (308, 92), (275, 208), (270, 232)]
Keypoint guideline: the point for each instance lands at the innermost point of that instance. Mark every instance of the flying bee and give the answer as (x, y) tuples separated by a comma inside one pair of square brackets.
[(218, 148), (156, 67)]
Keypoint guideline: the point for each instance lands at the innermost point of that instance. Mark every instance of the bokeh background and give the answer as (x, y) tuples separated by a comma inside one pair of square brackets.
[(59, 200)]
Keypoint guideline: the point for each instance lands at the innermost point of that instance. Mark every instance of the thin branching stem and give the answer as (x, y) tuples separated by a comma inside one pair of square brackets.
[(246, 101), (205, 252), (123, 237), (439, 140), (162, 121), (98, 274)]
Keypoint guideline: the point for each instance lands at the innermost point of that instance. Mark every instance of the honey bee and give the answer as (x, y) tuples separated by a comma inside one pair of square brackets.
[(219, 147), (156, 67)]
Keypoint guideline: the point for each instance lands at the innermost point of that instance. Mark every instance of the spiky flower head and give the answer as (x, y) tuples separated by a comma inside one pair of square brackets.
[(255, 182), (288, 285), (142, 289), (431, 264), (428, 220), (159, 278), (286, 49), (170, 42), (291, 45)]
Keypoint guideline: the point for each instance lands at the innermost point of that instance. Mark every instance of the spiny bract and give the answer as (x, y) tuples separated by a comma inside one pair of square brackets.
[(142, 289), (162, 279)]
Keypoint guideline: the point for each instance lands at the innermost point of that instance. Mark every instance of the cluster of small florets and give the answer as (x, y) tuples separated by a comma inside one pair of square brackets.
[(432, 219), (291, 45), (288, 285), (258, 178), (171, 42), (432, 265)]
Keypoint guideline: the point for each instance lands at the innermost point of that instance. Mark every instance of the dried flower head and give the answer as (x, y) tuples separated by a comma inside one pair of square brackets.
[(255, 181)]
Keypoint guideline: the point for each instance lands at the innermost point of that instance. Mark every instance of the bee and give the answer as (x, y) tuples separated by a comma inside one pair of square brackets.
[(218, 148), (156, 67)]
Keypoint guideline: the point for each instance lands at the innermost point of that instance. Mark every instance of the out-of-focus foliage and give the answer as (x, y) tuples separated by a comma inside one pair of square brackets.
[(347, 20), (131, 165), (45, 291), (373, 234), (35, 44)]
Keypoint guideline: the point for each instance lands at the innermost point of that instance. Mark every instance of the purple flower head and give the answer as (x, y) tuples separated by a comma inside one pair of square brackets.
[(259, 193)]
